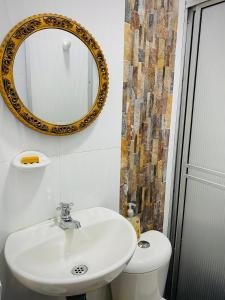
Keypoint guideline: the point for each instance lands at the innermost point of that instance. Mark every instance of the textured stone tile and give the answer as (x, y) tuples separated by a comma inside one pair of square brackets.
[(135, 48), (136, 4), (126, 70), (134, 20), (127, 11), (127, 39), (168, 111), (149, 55)]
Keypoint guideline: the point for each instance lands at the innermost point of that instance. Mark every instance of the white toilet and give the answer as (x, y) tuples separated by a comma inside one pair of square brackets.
[(145, 276)]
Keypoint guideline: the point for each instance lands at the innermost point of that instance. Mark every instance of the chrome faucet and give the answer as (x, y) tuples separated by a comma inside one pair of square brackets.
[(66, 221)]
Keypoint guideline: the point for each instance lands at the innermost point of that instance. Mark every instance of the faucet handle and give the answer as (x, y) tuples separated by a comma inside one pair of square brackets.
[(60, 206), (65, 206)]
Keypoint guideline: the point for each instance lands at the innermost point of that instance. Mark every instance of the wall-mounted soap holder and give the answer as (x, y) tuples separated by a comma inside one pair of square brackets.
[(28, 156)]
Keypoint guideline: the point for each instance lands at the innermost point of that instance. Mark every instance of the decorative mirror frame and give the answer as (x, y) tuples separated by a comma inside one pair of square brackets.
[(8, 50)]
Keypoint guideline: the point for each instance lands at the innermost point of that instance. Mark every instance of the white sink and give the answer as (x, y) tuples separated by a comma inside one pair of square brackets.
[(41, 257)]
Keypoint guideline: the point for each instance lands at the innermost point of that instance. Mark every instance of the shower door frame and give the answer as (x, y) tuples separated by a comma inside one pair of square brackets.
[(193, 14)]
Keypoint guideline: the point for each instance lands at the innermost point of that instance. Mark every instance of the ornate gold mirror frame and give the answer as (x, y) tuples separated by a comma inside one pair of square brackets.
[(8, 51)]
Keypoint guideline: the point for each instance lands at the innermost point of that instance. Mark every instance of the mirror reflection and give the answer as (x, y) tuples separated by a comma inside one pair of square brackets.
[(56, 76)]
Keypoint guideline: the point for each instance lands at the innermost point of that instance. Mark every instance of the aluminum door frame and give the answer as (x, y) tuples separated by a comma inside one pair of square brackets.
[(193, 20), (190, 3)]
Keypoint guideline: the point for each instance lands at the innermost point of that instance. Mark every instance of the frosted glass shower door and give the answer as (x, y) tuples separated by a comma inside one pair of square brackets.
[(201, 262)]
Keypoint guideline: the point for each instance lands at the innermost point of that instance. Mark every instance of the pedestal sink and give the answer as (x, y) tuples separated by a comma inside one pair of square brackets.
[(59, 262)]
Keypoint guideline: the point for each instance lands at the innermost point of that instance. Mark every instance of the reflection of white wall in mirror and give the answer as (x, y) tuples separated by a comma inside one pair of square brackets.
[(20, 74), (58, 81)]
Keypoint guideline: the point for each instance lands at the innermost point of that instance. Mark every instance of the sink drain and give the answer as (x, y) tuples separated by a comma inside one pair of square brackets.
[(79, 270)]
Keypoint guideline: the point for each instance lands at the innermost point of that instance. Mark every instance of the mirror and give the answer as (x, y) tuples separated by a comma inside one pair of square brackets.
[(54, 76)]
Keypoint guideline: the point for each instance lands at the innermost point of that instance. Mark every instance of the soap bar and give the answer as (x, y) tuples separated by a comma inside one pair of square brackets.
[(29, 160)]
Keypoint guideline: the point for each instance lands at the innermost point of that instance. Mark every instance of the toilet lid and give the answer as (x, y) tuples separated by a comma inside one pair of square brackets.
[(153, 255)]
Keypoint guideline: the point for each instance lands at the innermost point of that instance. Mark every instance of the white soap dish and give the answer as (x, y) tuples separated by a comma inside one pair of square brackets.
[(43, 160)]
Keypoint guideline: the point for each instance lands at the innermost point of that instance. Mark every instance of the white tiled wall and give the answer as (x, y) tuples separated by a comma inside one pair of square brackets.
[(85, 167)]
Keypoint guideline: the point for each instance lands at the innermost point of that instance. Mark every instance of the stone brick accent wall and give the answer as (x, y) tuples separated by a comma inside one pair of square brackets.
[(149, 54)]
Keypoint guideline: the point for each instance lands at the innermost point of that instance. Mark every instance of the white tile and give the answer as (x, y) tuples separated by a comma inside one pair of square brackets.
[(27, 196), (91, 179), (106, 131), (11, 134), (81, 174), (49, 145), (15, 137)]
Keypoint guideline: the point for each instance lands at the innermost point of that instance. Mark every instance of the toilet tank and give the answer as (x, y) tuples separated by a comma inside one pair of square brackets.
[(145, 276), (148, 286)]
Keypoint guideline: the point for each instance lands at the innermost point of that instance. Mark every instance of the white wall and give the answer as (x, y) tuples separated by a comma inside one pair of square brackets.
[(178, 71), (85, 167)]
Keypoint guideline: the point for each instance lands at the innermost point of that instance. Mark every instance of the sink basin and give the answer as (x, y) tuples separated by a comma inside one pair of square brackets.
[(55, 262)]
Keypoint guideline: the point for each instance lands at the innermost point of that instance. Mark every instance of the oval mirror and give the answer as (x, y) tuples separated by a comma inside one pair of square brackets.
[(54, 75)]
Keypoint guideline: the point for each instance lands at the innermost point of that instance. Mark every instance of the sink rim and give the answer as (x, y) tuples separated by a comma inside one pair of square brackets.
[(72, 280)]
